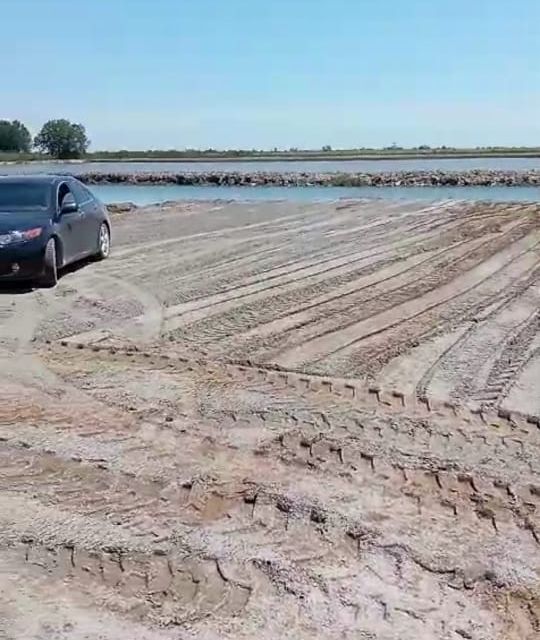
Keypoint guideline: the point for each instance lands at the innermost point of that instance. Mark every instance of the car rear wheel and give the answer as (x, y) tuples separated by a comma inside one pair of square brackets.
[(104, 242), (49, 277)]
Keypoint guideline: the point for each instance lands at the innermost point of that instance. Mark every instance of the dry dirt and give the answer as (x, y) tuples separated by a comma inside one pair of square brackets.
[(278, 421)]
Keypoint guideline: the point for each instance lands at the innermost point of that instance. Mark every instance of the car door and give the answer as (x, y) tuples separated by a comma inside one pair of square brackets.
[(70, 226), (89, 227)]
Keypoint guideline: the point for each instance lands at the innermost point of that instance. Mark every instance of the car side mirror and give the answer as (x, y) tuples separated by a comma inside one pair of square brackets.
[(69, 205)]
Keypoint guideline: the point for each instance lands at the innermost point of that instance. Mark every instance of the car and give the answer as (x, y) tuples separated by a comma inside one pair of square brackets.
[(47, 223)]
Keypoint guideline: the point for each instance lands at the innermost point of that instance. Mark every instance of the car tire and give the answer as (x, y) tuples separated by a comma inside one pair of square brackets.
[(49, 277), (104, 242)]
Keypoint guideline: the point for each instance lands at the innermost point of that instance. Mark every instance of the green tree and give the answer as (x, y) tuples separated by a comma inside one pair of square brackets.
[(62, 139), (14, 136)]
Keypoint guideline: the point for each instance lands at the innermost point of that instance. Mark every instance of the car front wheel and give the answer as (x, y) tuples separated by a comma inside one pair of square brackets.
[(49, 276), (104, 242)]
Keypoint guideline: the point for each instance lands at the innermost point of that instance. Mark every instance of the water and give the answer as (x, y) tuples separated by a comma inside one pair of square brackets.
[(149, 194), (307, 166)]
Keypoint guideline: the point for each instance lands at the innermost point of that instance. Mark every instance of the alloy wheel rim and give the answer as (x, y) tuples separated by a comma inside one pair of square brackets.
[(104, 242)]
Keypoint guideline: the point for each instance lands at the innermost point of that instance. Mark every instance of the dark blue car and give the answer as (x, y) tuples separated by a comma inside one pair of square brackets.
[(46, 223)]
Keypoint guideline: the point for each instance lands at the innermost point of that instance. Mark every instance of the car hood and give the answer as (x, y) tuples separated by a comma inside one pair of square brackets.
[(22, 220)]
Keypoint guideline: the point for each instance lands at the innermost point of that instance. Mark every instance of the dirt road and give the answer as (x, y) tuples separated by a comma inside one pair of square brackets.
[(278, 421)]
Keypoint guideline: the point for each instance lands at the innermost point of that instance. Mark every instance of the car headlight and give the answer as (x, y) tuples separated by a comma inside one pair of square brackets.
[(13, 237)]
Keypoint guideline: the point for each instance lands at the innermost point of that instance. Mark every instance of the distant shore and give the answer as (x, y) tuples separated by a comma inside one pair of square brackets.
[(192, 156), (476, 177), (320, 157)]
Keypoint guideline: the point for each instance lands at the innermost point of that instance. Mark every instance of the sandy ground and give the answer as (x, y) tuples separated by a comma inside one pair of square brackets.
[(278, 421)]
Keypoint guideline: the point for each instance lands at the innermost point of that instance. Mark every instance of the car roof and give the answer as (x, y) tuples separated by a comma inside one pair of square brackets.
[(44, 179)]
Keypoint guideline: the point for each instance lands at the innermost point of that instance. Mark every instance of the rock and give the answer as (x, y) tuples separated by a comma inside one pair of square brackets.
[(121, 207), (475, 177)]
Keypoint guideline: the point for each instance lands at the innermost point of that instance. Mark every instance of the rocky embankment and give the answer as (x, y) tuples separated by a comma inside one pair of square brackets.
[(474, 178)]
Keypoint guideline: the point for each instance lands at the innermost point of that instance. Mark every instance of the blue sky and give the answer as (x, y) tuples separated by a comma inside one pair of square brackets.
[(285, 73)]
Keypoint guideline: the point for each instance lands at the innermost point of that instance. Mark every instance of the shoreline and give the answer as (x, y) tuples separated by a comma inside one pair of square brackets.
[(316, 157), (124, 207), (472, 178), (335, 156)]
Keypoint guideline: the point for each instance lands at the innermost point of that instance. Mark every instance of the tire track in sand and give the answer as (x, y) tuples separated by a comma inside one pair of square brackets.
[(344, 340)]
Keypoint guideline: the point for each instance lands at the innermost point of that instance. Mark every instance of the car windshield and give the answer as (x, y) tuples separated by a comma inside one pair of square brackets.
[(23, 195)]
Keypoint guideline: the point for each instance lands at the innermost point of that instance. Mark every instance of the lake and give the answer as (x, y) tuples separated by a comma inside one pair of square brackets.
[(149, 194), (309, 166)]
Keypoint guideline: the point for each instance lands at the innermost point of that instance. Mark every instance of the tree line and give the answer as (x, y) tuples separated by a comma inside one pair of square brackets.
[(59, 139), (64, 140)]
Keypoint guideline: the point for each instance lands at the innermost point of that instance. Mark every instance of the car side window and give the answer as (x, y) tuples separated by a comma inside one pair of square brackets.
[(81, 194), (89, 194), (63, 190)]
